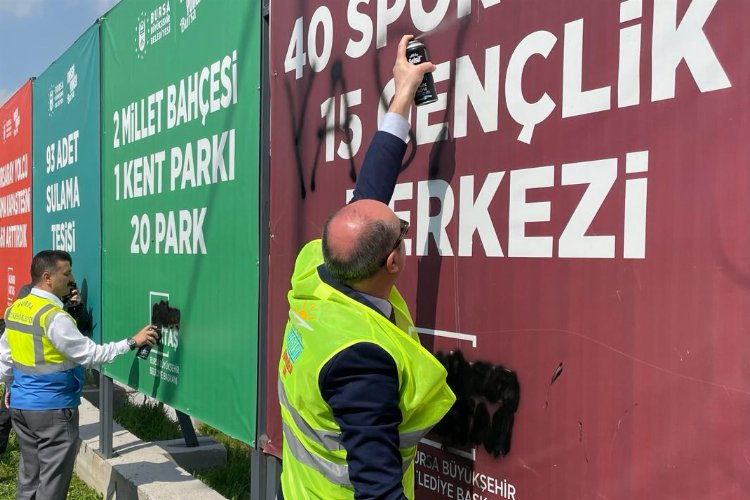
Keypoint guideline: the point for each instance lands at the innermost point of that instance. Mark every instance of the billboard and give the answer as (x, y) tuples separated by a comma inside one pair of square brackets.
[(578, 206), (15, 193), (67, 172), (180, 115)]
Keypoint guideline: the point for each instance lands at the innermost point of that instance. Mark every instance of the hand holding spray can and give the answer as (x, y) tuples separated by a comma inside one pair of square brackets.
[(145, 349), (416, 53)]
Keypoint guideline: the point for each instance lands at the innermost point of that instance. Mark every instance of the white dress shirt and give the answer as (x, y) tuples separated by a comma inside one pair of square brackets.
[(395, 124), (63, 334)]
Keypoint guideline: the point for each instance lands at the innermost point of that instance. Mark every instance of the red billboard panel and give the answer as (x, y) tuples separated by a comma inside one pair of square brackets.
[(15, 193), (579, 203)]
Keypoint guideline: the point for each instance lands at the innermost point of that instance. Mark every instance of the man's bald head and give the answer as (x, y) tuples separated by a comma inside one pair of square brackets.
[(357, 240)]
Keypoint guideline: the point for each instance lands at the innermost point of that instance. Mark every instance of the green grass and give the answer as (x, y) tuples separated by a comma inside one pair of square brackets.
[(9, 469), (150, 422), (233, 478)]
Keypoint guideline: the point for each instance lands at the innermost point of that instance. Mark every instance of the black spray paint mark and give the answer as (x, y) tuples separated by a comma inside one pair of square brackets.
[(555, 375), (162, 314), (337, 81), (439, 166), (298, 111), (477, 386)]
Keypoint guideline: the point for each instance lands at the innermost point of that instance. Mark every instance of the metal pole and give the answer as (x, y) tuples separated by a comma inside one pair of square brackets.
[(273, 473), (264, 469), (106, 387), (257, 473), (106, 392)]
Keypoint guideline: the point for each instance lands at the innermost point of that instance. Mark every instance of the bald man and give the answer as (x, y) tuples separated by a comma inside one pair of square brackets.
[(357, 390)]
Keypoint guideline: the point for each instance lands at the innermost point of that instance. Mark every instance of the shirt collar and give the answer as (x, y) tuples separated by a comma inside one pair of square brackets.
[(383, 305), (46, 295), (375, 303)]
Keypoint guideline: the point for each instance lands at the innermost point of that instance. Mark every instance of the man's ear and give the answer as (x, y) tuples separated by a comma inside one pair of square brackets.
[(393, 263)]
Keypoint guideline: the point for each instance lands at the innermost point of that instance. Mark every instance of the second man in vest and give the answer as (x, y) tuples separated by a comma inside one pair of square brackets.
[(42, 358)]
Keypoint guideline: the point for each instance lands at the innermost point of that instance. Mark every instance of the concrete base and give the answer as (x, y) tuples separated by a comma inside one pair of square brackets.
[(209, 453), (139, 470)]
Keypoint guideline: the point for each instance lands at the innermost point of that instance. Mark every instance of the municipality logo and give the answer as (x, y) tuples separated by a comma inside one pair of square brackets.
[(12, 125), (16, 122), (140, 35), (57, 94), (191, 9), (72, 77), (151, 27)]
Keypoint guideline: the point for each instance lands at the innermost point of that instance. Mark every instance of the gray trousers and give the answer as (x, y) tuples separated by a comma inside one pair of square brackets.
[(48, 441), (5, 424)]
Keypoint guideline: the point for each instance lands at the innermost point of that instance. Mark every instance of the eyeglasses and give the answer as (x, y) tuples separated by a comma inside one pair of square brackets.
[(404, 226)]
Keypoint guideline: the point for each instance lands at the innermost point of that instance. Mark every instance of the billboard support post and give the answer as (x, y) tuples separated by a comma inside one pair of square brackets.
[(188, 432), (265, 469), (105, 415)]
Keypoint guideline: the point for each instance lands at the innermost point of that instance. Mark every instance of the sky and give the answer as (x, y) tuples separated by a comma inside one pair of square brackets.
[(36, 32)]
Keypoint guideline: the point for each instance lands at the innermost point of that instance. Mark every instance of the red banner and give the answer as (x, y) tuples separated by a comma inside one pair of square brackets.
[(579, 209), (15, 193)]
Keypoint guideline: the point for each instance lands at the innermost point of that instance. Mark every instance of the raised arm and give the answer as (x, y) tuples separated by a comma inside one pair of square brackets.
[(384, 156)]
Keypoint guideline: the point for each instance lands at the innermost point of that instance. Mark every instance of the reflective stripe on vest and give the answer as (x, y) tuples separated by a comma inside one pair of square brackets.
[(45, 369), (335, 473), (323, 321), (330, 440), (338, 474), (37, 333)]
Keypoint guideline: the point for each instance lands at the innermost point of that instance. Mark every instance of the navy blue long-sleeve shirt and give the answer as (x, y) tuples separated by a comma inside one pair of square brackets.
[(380, 169), (360, 383), (361, 386)]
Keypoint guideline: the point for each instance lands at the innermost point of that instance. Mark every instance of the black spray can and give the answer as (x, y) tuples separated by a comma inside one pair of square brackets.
[(145, 349), (416, 53)]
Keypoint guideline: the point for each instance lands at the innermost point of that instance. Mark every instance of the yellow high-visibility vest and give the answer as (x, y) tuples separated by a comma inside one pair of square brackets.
[(322, 322), (26, 327), (43, 378)]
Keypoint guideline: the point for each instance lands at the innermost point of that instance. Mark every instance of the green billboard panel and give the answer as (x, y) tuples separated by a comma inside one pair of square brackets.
[(66, 187), (181, 119)]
